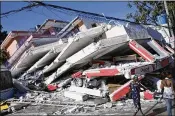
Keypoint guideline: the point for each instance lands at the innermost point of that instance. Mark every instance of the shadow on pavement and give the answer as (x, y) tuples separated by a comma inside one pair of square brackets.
[(158, 111)]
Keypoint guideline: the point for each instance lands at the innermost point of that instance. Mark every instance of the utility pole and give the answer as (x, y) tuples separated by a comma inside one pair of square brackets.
[(169, 21)]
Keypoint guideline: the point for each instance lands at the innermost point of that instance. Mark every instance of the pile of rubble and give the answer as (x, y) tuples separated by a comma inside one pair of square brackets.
[(85, 61), (41, 103)]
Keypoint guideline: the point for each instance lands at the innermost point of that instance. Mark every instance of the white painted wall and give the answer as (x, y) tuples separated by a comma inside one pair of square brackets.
[(116, 31)]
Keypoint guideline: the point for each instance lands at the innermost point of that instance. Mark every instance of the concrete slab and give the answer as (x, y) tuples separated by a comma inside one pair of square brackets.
[(79, 41), (76, 96), (86, 91), (48, 57)]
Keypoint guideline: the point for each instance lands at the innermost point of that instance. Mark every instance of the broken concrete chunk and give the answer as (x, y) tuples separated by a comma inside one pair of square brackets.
[(17, 106), (86, 91), (20, 87), (108, 105), (57, 113), (76, 96), (72, 110), (65, 82), (100, 101)]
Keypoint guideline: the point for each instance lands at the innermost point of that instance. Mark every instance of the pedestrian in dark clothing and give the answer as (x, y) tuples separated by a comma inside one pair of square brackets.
[(168, 90), (135, 93)]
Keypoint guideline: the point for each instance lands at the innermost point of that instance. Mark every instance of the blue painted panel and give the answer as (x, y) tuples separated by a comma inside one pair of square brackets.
[(162, 19)]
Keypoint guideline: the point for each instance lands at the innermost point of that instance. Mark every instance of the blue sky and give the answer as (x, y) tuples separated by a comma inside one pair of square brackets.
[(26, 20)]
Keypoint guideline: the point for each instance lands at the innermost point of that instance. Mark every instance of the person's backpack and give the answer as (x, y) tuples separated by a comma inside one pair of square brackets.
[(168, 91)]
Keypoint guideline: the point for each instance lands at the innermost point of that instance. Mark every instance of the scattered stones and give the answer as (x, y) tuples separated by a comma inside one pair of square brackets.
[(71, 110), (86, 91), (57, 113), (108, 105), (99, 101), (64, 83), (76, 96)]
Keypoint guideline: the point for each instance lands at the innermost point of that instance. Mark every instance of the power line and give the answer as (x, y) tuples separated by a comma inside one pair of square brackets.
[(79, 12), (39, 13), (95, 18), (18, 10), (50, 9)]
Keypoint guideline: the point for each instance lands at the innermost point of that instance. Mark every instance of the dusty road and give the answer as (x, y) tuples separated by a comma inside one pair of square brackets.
[(118, 108)]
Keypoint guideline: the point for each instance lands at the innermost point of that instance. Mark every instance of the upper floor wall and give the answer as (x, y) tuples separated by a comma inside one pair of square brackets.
[(75, 26), (50, 29), (16, 39), (15, 44)]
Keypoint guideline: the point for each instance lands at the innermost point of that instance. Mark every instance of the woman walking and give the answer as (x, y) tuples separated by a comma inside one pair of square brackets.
[(135, 93)]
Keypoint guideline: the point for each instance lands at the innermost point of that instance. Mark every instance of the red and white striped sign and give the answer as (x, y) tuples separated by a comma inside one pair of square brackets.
[(141, 51)]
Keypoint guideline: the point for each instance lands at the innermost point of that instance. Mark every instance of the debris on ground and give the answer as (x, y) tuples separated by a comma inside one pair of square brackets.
[(87, 70)]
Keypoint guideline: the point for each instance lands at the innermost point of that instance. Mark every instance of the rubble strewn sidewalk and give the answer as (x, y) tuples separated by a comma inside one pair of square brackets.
[(124, 107), (76, 68)]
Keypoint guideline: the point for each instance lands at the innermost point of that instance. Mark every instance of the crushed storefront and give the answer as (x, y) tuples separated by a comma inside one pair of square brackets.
[(85, 65)]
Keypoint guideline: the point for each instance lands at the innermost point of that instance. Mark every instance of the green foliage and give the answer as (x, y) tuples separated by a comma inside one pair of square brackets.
[(3, 34), (3, 56), (147, 11), (171, 8), (3, 53)]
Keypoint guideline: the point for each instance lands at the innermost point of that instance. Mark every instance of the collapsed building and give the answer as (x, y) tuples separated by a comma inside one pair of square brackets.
[(94, 56)]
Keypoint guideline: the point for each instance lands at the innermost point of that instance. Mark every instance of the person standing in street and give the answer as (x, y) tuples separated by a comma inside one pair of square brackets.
[(135, 93), (168, 91)]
